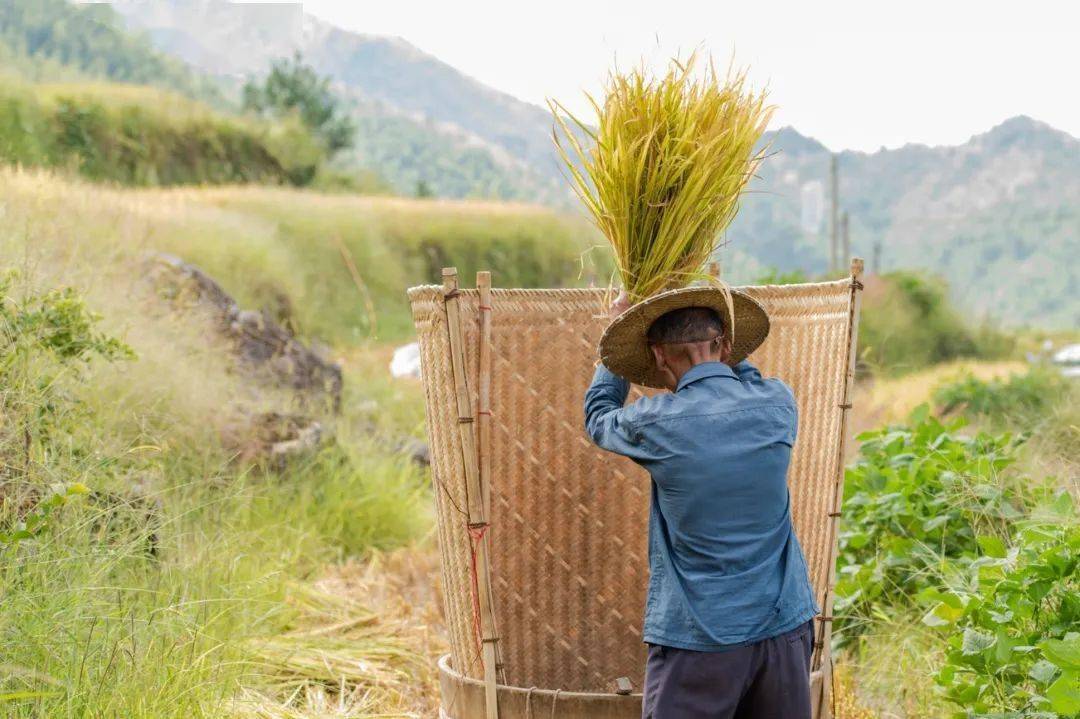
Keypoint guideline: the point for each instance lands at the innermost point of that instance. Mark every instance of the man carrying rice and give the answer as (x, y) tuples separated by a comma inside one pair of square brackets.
[(729, 614)]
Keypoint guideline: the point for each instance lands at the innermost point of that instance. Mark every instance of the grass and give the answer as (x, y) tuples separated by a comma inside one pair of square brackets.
[(285, 251), (186, 583), (662, 175), (135, 135), (884, 400), (239, 608), (878, 689), (105, 628)]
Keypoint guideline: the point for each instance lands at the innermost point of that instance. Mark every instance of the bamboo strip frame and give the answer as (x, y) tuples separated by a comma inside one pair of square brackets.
[(822, 654), (483, 390), (483, 423), (478, 518)]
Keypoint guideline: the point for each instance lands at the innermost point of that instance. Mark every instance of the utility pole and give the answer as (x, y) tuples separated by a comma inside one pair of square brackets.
[(877, 258), (845, 220), (834, 213)]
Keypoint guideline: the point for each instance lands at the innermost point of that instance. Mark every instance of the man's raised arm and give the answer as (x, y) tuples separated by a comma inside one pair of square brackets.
[(606, 420)]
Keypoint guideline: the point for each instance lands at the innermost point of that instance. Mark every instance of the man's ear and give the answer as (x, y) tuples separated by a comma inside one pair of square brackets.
[(658, 357), (725, 349), (663, 369)]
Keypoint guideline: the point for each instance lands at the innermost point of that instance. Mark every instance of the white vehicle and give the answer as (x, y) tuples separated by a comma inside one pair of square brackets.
[(1068, 360)]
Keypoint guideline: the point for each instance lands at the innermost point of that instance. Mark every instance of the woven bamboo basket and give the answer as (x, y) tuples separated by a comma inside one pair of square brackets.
[(542, 535)]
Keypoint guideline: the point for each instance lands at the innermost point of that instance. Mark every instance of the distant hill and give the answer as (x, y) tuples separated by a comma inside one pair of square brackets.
[(998, 217), (53, 40), (420, 119)]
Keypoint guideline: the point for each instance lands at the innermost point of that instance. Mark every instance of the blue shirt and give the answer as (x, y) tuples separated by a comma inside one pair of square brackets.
[(725, 566)]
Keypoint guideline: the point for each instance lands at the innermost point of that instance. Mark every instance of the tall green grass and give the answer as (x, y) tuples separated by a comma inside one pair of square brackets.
[(285, 251), (395, 244), (154, 594), (141, 136)]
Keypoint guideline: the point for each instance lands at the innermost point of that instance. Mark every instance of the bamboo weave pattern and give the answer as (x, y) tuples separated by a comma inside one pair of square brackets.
[(568, 536)]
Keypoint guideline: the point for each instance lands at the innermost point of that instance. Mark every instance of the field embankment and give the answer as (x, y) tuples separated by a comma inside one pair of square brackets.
[(136, 135), (293, 253)]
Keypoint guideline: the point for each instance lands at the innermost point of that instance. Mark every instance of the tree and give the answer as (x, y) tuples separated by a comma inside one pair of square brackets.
[(293, 87)]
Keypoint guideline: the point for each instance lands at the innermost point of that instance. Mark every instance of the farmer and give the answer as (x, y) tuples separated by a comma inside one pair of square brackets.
[(729, 615)]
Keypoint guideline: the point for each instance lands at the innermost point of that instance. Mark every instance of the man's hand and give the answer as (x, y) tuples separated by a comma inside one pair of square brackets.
[(620, 305)]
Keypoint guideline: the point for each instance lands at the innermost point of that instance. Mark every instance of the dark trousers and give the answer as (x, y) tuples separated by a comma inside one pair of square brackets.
[(766, 680)]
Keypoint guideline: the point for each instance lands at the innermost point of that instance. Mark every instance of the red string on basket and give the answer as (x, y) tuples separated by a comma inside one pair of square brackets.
[(476, 535)]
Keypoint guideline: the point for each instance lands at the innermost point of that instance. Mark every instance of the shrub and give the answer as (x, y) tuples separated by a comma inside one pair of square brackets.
[(775, 277), (908, 322), (1019, 398)]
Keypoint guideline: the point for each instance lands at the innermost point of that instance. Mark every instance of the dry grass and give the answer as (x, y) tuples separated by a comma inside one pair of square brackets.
[(890, 677), (891, 399), (366, 639), (846, 703)]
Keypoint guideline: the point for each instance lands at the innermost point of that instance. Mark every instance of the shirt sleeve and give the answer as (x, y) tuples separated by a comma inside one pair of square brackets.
[(746, 372), (607, 421)]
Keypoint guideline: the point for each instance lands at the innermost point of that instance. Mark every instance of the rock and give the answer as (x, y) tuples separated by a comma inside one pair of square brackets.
[(260, 342), (416, 450), (273, 439)]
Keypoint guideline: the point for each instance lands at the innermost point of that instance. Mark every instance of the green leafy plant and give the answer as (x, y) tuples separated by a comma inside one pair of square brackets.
[(919, 495), (43, 337), (1013, 616), (56, 323), (34, 521), (665, 169)]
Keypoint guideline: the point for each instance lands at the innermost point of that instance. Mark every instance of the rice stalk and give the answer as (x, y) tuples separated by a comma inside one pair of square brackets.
[(662, 174), (339, 658)]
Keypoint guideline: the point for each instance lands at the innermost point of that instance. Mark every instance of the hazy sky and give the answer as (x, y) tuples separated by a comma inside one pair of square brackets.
[(852, 74)]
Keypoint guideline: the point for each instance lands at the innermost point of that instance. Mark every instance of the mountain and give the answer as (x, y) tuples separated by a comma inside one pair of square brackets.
[(998, 216), (54, 40), (420, 120)]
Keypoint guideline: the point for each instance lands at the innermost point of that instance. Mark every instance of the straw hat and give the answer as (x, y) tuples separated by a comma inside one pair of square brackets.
[(624, 348)]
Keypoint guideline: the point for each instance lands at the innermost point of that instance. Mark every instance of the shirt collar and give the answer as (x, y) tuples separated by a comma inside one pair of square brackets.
[(703, 370)]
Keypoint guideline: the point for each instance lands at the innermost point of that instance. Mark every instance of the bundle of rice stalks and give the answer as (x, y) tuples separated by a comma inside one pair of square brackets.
[(667, 164)]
